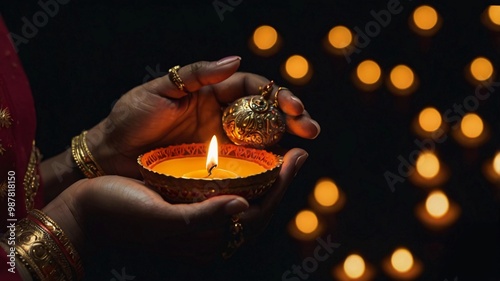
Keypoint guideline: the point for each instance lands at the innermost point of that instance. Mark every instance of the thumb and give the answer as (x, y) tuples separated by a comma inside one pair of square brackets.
[(211, 212), (194, 76)]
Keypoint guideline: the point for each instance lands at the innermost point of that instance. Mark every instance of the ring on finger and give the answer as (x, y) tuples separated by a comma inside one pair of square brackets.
[(276, 95), (236, 237), (174, 77)]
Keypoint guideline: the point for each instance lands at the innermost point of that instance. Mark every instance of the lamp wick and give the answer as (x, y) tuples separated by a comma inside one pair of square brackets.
[(210, 170)]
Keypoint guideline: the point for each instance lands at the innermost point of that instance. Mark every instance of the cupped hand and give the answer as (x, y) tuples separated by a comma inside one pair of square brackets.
[(158, 114), (121, 211)]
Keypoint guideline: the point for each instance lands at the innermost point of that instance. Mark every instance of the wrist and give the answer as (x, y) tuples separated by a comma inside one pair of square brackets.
[(105, 152), (68, 216), (45, 249)]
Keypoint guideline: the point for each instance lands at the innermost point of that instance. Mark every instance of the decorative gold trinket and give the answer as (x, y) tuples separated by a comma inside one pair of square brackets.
[(254, 120)]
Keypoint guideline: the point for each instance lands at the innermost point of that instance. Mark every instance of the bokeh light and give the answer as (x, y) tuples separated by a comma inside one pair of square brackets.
[(481, 69), (429, 119), (368, 72), (494, 14), (402, 260), (340, 37), (471, 125), (427, 165), (402, 79), (425, 17), (297, 66), (496, 163), (306, 221), (265, 37), (354, 266), (297, 70), (437, 204), (326, 192)]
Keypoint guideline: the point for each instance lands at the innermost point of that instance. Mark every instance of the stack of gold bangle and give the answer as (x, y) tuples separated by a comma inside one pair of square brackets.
[(45, 251), (83, 158)]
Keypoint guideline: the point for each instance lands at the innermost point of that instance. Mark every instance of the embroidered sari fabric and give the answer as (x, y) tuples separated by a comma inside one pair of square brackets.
[(19, 179)]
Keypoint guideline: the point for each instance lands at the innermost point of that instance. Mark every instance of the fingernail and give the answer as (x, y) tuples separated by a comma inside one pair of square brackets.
[(236, 206), (299, 162), (228, 60), (297, 100), (318, 128)]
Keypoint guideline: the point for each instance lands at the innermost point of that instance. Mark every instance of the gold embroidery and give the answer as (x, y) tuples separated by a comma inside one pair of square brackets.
[(31, 178), (3, 190), (5, 118)]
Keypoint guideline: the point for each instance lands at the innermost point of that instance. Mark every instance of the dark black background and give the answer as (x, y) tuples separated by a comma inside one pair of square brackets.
[(91, 52)]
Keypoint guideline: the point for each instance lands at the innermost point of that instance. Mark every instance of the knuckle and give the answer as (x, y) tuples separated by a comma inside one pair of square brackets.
[(197, 66)]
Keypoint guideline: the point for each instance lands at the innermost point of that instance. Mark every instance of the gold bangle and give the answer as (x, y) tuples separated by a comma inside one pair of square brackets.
[(83, 158), (68, 249), (43, 248)]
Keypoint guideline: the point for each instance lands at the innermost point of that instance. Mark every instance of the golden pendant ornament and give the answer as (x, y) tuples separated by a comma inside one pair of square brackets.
[(254, 121)]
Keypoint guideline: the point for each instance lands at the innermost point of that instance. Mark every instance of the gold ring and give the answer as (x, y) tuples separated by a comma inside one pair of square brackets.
[(237, 238), (267, 89), (275, 104), (175, 78)]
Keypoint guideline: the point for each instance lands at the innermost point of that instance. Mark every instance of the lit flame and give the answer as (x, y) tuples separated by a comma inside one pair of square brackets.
[(213, 155)]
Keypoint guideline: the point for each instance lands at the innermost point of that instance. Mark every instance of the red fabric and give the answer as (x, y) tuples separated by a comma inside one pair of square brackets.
[(17, 140), (15, 94)]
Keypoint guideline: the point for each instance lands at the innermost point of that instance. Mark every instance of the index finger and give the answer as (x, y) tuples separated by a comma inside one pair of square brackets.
[(190, 78), (243, 84)]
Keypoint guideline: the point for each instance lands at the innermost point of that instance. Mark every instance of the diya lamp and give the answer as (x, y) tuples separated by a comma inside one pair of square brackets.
[(188, 173)]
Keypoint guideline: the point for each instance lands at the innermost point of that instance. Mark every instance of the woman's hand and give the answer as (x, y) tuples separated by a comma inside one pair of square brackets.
[(158, 114), (121, 211), (114, 210)]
